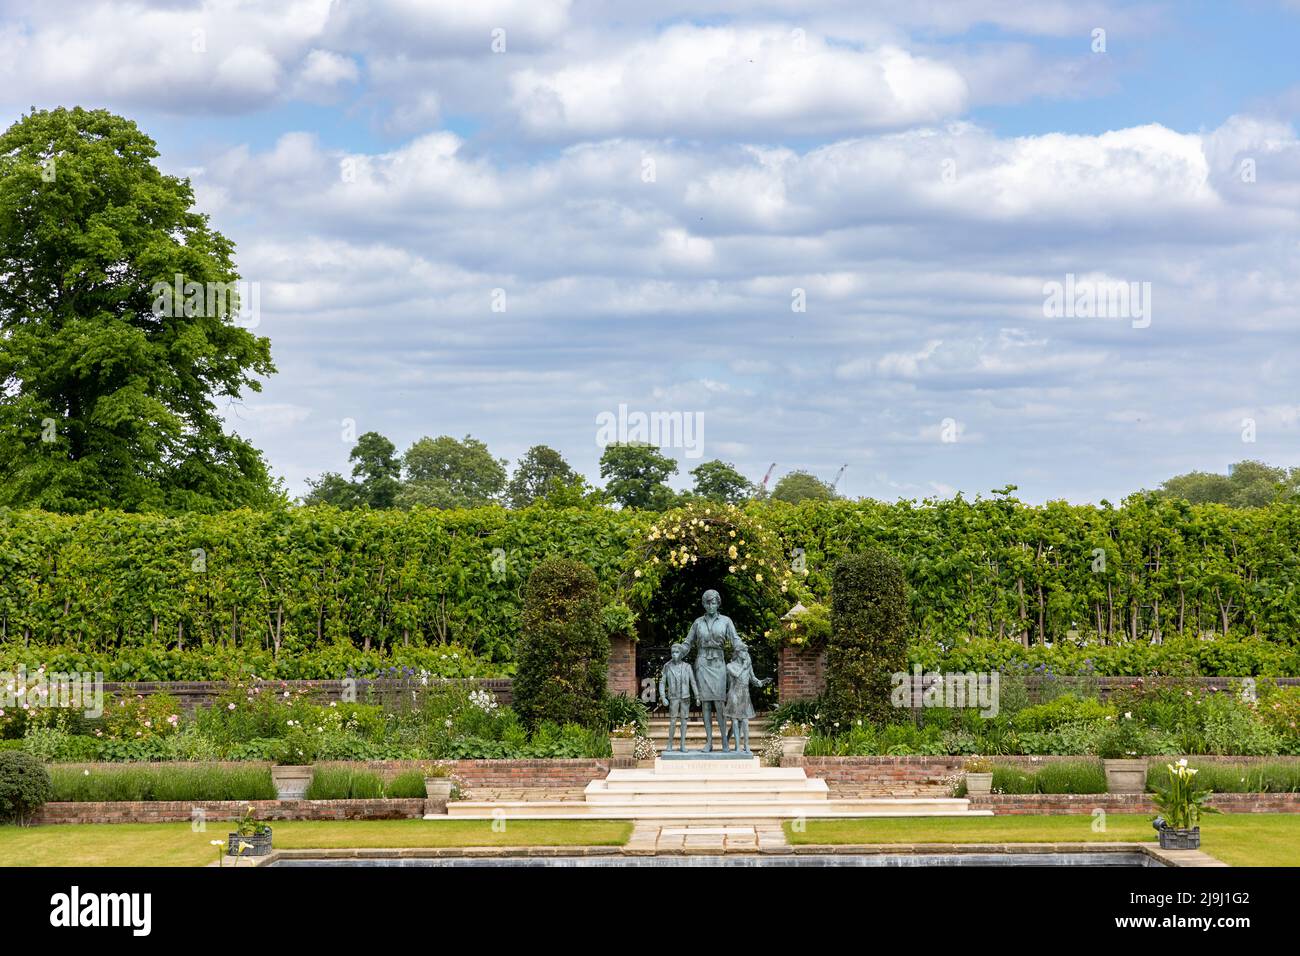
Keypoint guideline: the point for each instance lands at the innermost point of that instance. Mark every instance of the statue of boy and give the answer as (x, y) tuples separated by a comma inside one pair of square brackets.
[(738, 708), (676, 689)]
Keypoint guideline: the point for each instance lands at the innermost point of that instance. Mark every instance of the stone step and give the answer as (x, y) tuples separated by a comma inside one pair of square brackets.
[(786, 809), (649, 781), (734, 766)]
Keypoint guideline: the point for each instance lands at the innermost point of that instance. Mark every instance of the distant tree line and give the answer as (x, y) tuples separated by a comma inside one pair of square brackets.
[(446, 472)]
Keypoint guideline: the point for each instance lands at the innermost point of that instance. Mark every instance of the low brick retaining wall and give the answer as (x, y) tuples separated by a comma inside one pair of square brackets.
[(519, 774), (1055, 804), (918, 774), (182, 811), (501, 774)]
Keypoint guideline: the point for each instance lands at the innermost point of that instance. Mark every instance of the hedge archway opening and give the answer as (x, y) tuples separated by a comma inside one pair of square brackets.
[(690, 550)]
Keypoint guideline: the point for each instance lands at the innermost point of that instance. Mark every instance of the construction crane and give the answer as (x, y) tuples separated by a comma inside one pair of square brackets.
[(763, 484), (839, 476)]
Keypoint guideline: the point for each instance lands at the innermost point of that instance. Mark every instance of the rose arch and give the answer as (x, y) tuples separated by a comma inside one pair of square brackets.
[(701, 546)]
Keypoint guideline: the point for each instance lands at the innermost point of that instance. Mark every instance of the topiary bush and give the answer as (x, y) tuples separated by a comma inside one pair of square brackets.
[(563, 650), (868, 641), (24, 786)]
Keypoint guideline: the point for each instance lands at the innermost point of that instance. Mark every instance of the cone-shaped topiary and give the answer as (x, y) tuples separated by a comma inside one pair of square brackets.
[(868, 640), (563, 649)]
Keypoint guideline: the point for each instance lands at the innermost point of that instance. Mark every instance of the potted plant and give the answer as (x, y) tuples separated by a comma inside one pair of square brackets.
[(1122, 747), (644, 751), (295, 754), (251, 838), (622, 740), (794, 738), (1181, 804), (979, 776), (440, 785)]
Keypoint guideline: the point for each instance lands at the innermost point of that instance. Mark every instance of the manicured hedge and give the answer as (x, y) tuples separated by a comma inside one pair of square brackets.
[(868, 641), (996, 573), (563, 648)]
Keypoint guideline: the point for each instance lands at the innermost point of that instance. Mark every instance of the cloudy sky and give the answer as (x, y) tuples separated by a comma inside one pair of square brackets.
[(831, 228)]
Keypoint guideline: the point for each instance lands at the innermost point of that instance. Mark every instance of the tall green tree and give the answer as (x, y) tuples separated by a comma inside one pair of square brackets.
[(635, 474), (331, 488), (376, 477), (1248, 484), (541, 472), (445, 473), (108, 390), (376, 470), (802, 486), (719, 481)]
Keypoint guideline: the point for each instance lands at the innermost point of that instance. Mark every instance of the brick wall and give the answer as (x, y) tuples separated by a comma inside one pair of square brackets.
[(1057, 804), (848, 773), (622, 667), (532, 774), (514, 774), (801, 673), (217, 811)]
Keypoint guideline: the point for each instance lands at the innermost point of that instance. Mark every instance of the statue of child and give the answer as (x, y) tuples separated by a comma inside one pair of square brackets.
[(738, 708), (676, 689)]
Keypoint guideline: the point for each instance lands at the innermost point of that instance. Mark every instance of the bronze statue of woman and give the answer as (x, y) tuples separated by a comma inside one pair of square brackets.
[(709, 636)]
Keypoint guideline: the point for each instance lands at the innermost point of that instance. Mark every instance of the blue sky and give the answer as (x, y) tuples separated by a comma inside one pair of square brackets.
[(652, 194)]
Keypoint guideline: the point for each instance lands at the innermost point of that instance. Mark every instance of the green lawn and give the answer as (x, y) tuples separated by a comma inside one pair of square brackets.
[(1238, 839), (175, 844)]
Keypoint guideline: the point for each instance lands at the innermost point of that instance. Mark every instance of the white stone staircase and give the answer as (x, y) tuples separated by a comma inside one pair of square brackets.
[(711, 789)]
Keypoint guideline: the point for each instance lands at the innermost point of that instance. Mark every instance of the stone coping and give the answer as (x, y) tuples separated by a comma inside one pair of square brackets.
[(1172, 858)]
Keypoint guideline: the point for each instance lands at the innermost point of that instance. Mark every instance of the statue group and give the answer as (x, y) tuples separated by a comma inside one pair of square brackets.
[(721, 687)]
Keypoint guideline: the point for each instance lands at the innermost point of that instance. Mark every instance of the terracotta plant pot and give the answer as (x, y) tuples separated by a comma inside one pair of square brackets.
[(291, 781), (623, 746), (1126, 776), (979, 784)]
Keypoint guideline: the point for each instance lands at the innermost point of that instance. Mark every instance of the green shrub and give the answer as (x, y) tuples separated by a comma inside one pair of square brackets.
[(24, 786), (868, 642), (1071, 776), (795, 712), (563, 648), (408, 783), (622, 709), (1065, 709)]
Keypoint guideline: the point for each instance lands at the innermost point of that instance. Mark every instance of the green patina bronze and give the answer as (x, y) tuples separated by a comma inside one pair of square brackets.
[(723, 689)]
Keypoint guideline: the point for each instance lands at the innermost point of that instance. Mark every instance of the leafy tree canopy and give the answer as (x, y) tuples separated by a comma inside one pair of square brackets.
[(376, 474), (800, 486), (445, 473), (538, 474), (635, 474), (1248, 484), (719, 481), (108, 389)]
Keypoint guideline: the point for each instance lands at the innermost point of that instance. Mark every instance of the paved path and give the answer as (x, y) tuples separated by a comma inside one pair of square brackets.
[(709, 837)]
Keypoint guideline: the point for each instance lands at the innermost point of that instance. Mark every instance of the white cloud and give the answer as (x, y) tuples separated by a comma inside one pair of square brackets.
[(714, 81)]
